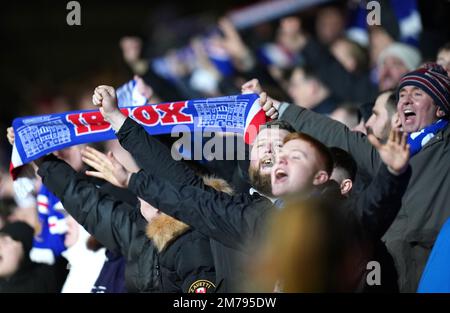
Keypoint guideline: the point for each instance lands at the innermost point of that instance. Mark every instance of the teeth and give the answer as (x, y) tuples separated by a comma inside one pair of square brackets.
[(267, 162)]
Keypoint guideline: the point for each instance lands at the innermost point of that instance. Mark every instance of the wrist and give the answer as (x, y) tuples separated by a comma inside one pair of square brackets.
[(397, 172), (116, 119), (127, 181)]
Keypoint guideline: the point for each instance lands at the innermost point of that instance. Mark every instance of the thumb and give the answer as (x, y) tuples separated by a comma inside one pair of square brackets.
[(262, 99), (110, 156), (374, 141), (113, 159), (250, 85)]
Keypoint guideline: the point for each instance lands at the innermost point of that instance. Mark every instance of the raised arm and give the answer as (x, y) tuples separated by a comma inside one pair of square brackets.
[(328, 131), (333, 133), (149, 153), (343, 84), (225, 218), (112, 222), (378, 205)]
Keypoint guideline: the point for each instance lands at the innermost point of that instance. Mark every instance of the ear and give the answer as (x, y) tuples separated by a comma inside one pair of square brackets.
[(440, 112), (320, 178), (396, 123), (346, 186)]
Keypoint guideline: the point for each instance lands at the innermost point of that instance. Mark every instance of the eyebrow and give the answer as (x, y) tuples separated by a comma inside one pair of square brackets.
[(299, 150), (413, 89)]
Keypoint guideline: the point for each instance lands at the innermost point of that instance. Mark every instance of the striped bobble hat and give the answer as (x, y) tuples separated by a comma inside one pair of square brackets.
[(433, 80)]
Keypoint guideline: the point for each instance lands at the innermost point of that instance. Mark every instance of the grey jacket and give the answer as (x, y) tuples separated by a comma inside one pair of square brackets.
[(425, 204)]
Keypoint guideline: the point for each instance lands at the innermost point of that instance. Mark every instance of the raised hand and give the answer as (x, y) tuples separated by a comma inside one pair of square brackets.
[(143, 88), (235, 46), (394, 153), (232, 41), (105, 98), (269, 105), (252, 86), (106, 166), (10, 135)]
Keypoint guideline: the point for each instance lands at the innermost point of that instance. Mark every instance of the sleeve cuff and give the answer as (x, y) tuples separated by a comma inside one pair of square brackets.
[(126, 127), (55, 174)]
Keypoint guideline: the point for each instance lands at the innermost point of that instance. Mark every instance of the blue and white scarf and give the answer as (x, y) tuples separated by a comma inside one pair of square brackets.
[(49, 243), (128, 95), (419, 139), (36, 136)]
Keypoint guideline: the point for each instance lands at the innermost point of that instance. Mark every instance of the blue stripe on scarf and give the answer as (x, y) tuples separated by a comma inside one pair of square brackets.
[(419, 139), (37, 136)]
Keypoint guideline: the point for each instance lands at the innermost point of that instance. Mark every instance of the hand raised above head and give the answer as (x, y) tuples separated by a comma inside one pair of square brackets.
[(10, 135), (105, 98)]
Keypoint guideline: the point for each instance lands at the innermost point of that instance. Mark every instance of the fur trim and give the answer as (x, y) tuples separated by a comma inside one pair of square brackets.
[(163, 229), (218, 184)]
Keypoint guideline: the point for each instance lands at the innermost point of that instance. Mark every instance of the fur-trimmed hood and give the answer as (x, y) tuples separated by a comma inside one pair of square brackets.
[(164, 229)]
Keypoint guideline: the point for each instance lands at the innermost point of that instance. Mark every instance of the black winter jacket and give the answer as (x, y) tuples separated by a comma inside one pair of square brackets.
[(185, 259), (117, 225)]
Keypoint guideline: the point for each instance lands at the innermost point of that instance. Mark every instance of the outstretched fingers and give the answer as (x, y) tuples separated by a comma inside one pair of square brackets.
[(95, 174)]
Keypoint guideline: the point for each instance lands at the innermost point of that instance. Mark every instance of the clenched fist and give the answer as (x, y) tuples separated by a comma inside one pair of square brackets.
[(105, 98)]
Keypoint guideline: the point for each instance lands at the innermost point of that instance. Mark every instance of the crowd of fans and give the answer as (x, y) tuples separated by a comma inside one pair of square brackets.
[(350, 171)]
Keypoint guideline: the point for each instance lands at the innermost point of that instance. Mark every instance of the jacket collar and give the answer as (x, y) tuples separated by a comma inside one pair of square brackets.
[(440, 135), (163, 229)]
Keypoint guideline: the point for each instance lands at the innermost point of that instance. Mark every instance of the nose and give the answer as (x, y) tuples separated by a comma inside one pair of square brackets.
[(369, 122), (268, 149), (281, 157), (406, 99)]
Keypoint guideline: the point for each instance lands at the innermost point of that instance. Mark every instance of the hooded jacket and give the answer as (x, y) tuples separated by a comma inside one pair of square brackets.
[(164, 255), (185, 259)]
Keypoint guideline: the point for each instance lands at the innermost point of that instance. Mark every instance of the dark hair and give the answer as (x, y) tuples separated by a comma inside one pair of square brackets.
[(445, 47), (309, 72), (344, 161), (391, 102), (358, 53), (353, 112), (279, 124), (322, 150)]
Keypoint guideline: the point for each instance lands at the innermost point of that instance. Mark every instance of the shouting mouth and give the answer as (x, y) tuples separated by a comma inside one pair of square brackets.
[(280, 176), (410, 115)]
